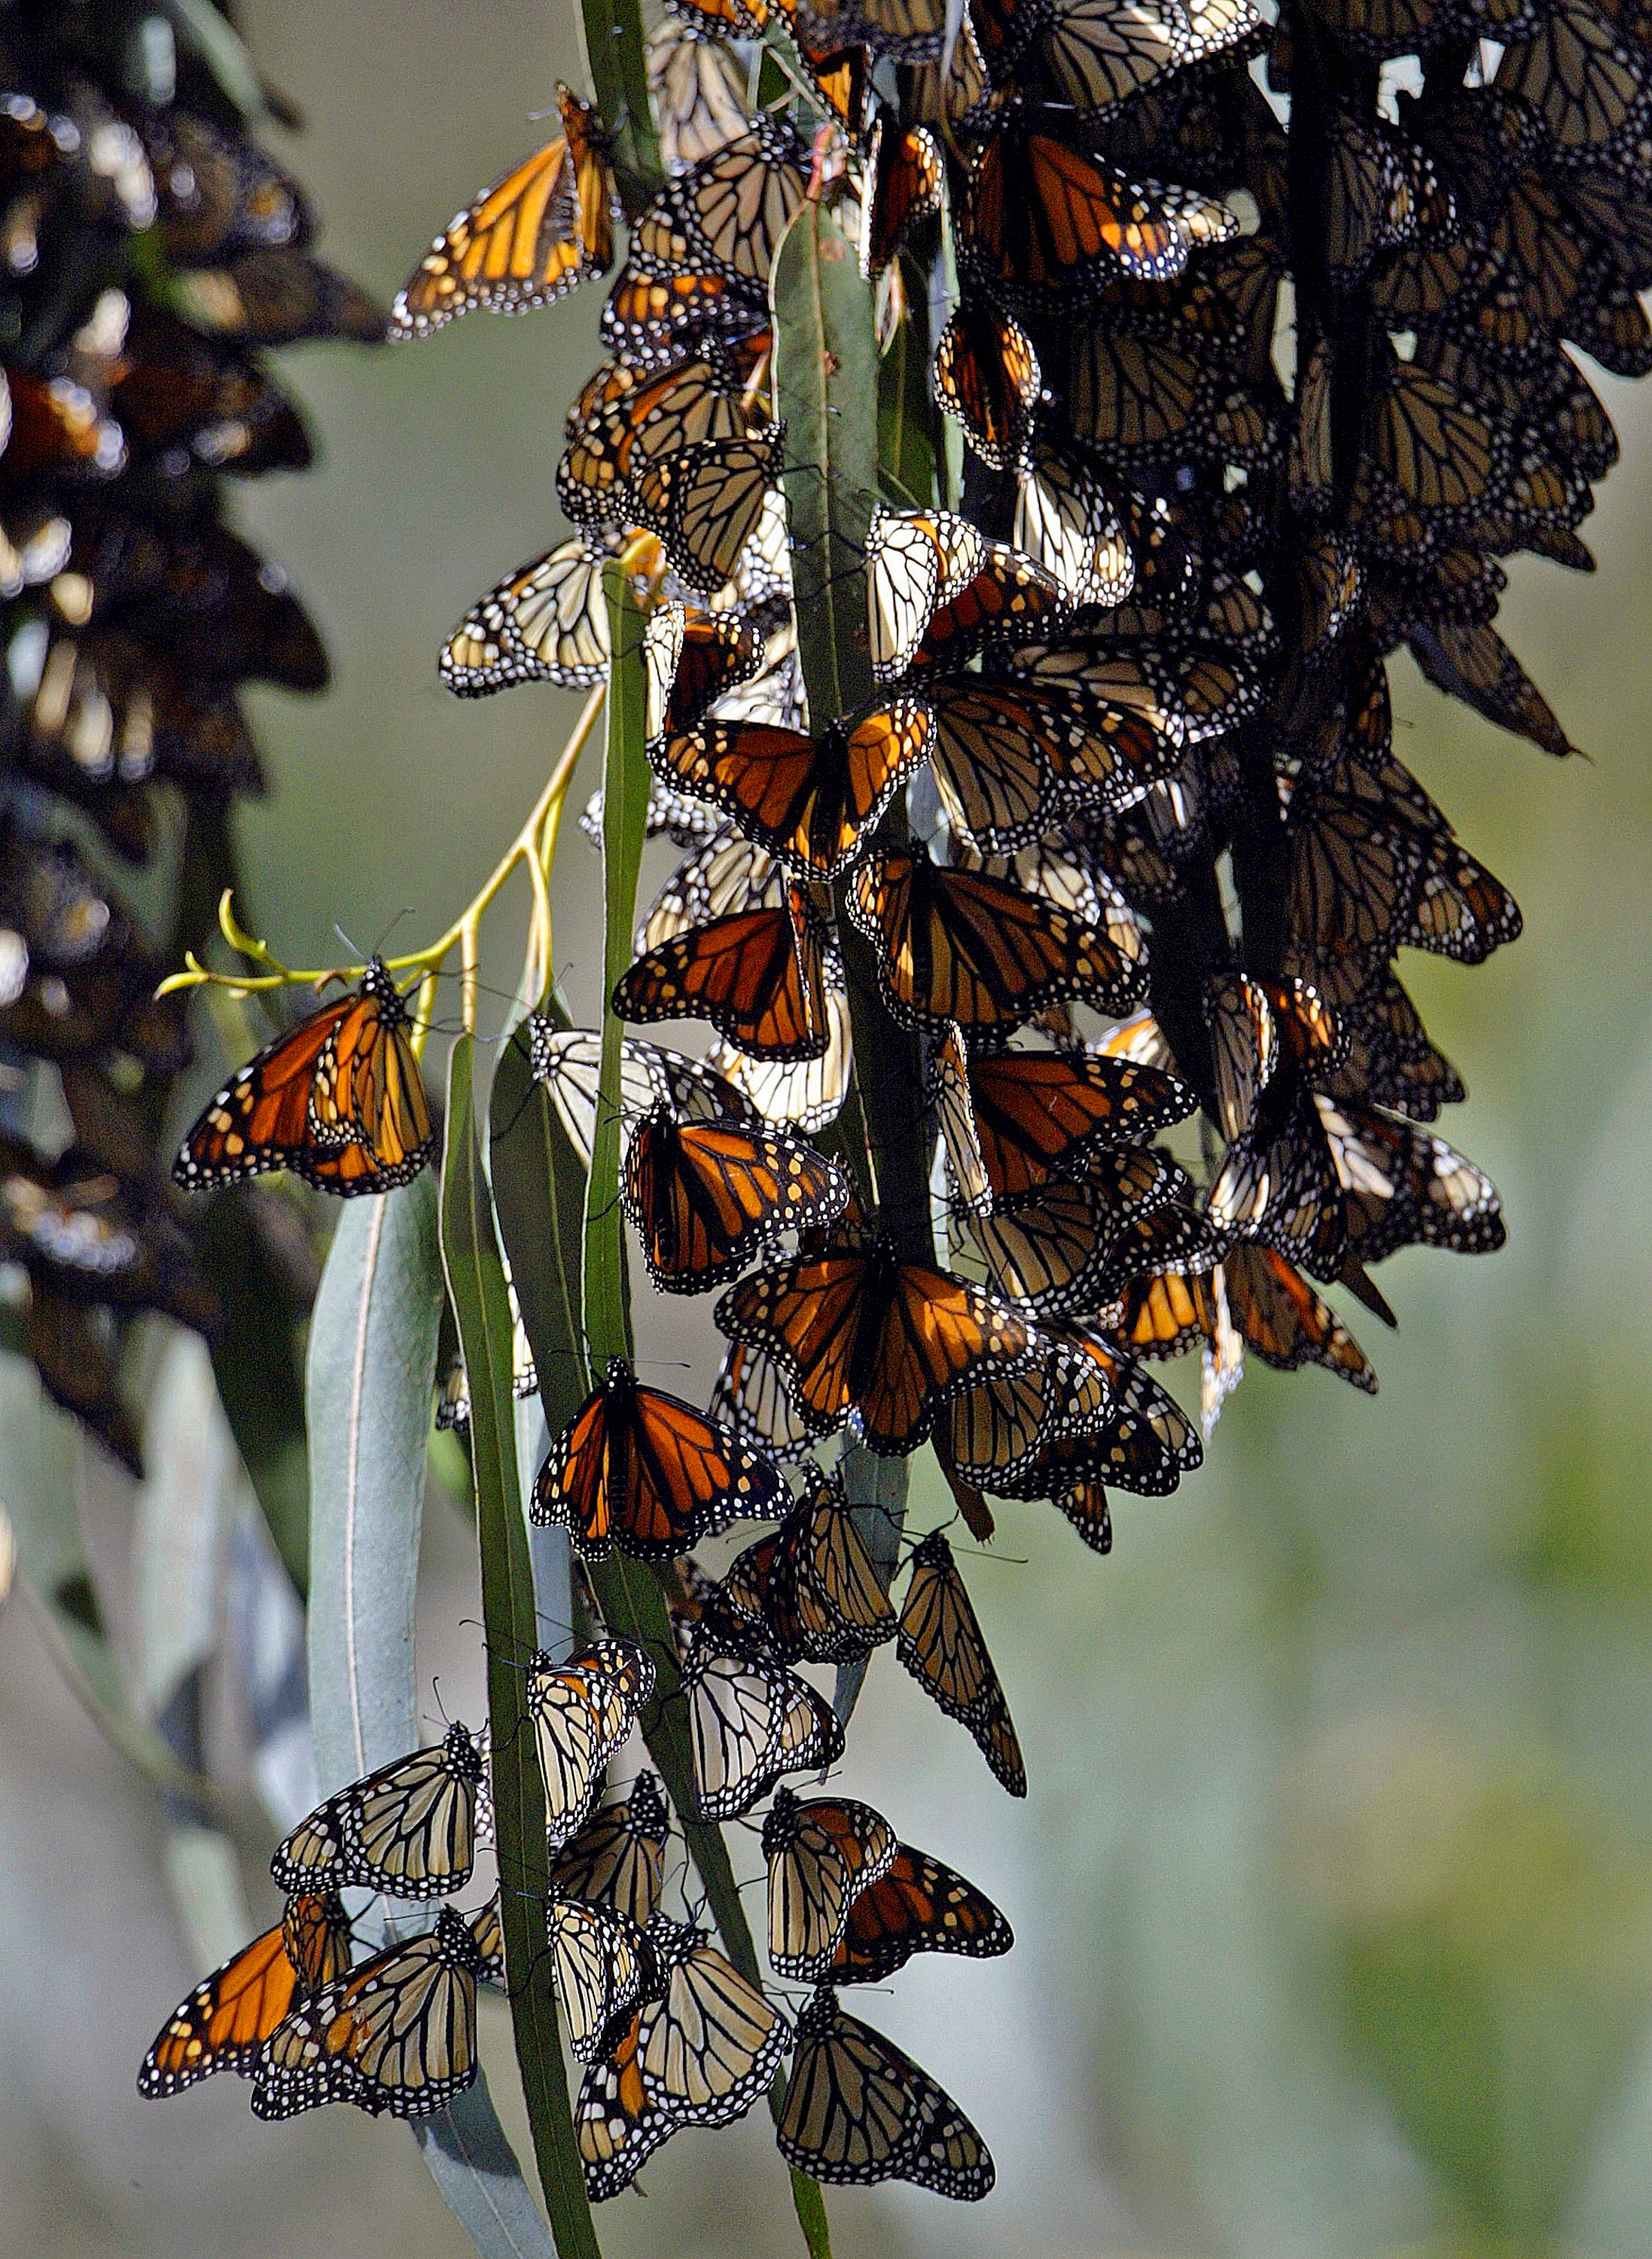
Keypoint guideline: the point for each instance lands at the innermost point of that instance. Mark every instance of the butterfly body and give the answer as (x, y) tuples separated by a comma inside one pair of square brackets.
[(641, 1469), (408, 1828), (338, 1100), (225, 2022)]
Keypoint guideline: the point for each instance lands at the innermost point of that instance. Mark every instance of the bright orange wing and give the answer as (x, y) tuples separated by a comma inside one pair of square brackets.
[(757, 976), (228, 2017), (704, 1197)]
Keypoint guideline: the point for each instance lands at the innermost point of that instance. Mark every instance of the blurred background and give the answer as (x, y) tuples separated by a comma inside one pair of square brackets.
[(1332, 1891)]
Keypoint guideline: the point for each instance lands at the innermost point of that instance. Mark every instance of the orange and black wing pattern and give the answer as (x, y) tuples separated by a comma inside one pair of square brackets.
[(642, 1470), (917, 1906), (808, 801), (758, 976), (338, 1100), (532, 237), (705, 1197), (226, 2020), (856, 1332)]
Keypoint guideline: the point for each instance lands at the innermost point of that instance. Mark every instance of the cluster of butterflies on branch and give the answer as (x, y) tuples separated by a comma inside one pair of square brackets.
[(670, 2033), (149, 251), (1254, 336)]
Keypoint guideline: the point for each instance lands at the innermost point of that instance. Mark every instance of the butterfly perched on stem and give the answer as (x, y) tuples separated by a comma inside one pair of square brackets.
[(226, 2020), (338, 1100), (705, 1197), (409, 1828), (859, 2111), (544, 227), (854, 1329), (641, 1469)]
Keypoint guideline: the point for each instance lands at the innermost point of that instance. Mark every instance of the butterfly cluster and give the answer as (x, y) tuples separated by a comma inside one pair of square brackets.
[(149, 251), (1052, 980)]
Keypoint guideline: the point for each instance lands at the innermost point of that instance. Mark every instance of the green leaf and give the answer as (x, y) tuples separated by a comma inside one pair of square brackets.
[(626, 784), (372, 1367), (540, 1195), (826, 381), (476, 1284), (617, 64), (905, 413)]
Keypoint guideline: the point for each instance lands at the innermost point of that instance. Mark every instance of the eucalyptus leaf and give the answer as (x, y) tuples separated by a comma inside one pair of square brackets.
[(614, 39), (826, 384), (475, 1271), (905, 412), (372, 1368), (625, 788)]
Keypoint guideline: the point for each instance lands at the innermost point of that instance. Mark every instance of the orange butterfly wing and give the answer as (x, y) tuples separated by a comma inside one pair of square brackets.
[(225, 2020), (260, 1119), (757, 976)]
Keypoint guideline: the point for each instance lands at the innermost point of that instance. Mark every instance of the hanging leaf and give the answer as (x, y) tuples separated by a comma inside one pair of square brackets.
[(371, 1369), (482, 1305), (617, 65), (826, 381)]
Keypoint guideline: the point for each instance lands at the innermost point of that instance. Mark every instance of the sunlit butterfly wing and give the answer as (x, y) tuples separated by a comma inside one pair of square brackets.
[(939, 1643), (916, 1905), (225, 2020), (408, 1828), (858, 2110), (641, 1469), (704, 1198)]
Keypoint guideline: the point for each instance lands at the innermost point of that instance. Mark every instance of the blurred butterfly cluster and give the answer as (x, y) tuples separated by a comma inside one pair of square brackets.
[(149, 251), (1049, 962)]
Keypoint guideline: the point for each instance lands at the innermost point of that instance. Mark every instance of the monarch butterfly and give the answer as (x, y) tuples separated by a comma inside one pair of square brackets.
[(1046, 1248), (854, 1330), (916, 562), (1272, 1306), (749, 1400), (915, 1905), (1473, 664), (1391, 1058), (906, 31), (904, 178), (728, 214), (705, 502), (1403, 1186), (225, 2020), (724, 19), (1575, 75), (567, 1061), (699, 2054), (705, 1197), (625, 420), (651, 317), (961, 945), (545, 622), (691, 659), (338, 1100), (397, 2034), (180, 396), (1066, 522), (617, 1858), (999, 1427), (541, 229), (725, 871), (408, 1828), (807, 801), (582, 1711), (808, 1093), (1007, 756), (487, 1927), (1144, 1442), (759, 976), (643, 1470), (810, 1591), (1095, 57), (698, 90), (601, 1964), (1035, 1113), (939, 1643), (986, 374), (1044, 219), (750, 1720), (820, 1855), (858, 2110)]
